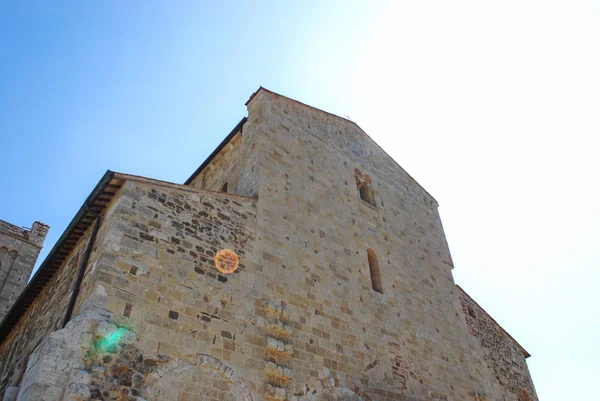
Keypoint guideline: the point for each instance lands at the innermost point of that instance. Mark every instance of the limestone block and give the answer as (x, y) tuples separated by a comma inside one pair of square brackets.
[(111, 331), (274, 344), (279, 329), (77, 391), (328, 382), (106, 329), (274, 393), (96, 302), (276, 372), (80, 376), (41, 391), (277, 311)]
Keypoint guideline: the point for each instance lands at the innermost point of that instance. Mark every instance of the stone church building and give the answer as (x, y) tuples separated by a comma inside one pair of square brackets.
[(343, 290)]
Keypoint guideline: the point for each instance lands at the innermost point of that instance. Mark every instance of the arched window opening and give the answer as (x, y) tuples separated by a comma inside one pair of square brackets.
[(365, 189), (375, 273), (224, 188)]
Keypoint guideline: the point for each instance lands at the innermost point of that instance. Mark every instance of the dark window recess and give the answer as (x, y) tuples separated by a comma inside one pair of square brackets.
[(366, 194), (375, 273), (224, 188), (471, 311), (365, 189)]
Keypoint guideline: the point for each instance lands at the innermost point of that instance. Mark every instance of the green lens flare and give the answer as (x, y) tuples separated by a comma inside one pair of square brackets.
[(110, 341)]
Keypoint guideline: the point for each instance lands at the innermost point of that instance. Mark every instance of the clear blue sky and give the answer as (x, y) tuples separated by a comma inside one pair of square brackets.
[(492, 107)]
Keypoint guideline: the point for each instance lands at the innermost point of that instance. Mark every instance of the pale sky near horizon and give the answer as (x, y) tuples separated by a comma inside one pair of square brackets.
[(492, 106)]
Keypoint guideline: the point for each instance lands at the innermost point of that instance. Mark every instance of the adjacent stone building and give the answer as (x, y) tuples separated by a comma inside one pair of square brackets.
[(19, 250), (344, 289)]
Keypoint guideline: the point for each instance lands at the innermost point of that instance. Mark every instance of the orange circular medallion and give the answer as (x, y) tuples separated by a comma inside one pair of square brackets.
[(226, 261)]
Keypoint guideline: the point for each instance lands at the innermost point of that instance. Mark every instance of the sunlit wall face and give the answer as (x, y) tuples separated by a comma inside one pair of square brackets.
[(491, 106)]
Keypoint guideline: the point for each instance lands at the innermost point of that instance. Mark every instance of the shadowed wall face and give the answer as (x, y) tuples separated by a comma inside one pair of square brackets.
[(503, 354), (19, 250)]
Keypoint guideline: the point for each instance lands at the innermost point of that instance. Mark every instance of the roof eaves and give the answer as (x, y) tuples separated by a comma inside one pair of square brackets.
[(182, 187), (93, 205)]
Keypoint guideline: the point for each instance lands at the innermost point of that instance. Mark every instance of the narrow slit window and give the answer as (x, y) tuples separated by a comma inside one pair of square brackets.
[(375, 273), (366, 194), (224, 188)]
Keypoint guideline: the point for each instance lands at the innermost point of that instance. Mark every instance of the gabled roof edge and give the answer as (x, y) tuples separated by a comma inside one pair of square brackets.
[(346, 120), (525, 353), (216, 151), (44, 272)]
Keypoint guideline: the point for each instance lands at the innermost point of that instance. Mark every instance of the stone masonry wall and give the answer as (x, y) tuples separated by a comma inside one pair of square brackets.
[(35, 235), (301, 319), (44, 316), (313, 233), (237, 164), (19, 250), (223, 168), (156, 263), (502, 354)]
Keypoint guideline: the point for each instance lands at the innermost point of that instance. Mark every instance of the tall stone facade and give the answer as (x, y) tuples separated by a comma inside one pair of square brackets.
[(19, 250), (344, 289)]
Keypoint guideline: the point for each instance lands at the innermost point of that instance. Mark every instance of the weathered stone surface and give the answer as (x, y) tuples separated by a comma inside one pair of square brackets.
[(300, 318), (276, 372), (55, 366), (504, 356), (274, 393), (42, 318), (19, 250), (11, 393)]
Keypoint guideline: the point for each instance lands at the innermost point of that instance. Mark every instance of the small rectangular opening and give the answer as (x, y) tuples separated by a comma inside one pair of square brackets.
[(364, 187), (367, 195)]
